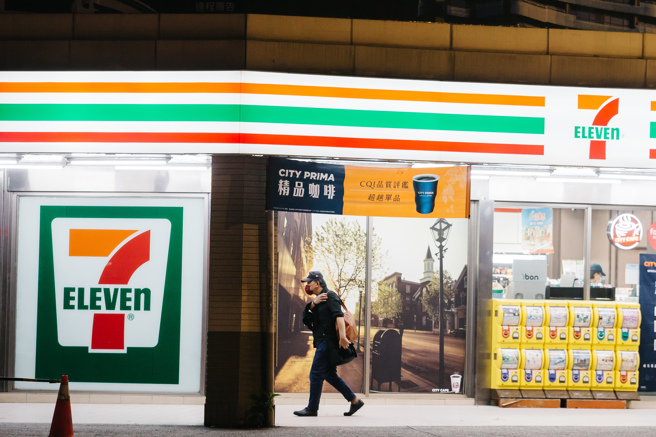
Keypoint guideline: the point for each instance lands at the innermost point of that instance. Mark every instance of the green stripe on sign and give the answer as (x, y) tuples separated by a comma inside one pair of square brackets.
[(652, 129), (389, 119), (118, 112), (272, 114)]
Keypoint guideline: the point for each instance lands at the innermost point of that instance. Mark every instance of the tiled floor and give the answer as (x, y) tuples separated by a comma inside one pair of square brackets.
[(378, 411)]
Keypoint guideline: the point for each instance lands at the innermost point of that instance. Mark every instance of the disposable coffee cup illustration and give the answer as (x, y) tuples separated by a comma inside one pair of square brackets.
[(455, 382), (425, 186)]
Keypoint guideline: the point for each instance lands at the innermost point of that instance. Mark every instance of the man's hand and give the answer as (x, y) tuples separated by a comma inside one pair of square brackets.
[(320, 298), (343, 342), (341, 327)]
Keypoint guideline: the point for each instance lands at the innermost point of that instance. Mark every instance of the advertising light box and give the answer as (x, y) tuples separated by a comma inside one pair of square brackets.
[(110, 291), (246, 112)]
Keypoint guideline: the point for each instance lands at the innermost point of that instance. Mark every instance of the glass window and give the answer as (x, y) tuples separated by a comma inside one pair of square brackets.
[(613, 268), (538, 252), (335, 245), (406, 331), (405, 354)]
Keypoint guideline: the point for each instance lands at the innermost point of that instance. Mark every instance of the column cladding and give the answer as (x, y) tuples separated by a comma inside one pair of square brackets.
[(239, 338)]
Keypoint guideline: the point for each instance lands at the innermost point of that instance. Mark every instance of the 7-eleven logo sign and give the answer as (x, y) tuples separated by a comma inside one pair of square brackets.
[(599, 132), (109, 281), (109, 299)]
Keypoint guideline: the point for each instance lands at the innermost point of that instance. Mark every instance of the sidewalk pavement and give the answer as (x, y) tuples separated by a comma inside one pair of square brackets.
[(331, 415)]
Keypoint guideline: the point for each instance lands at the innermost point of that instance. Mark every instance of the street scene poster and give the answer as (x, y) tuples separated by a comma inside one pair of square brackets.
[(406, 287)]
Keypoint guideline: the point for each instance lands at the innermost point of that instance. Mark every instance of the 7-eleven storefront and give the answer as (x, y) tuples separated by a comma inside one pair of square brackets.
[(109, 183)]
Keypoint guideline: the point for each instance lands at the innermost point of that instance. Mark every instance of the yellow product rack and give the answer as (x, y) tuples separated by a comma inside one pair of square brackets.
[(626, 375), (628, 325), (604, 324), (580, 325), (532, 324), (556, 323), (531, 365), (506, 317), (579, 372), (505, 369), (603, 367), (555, 369)]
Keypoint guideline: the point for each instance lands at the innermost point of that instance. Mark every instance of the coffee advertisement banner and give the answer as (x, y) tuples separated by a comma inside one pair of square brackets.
[(309, 187)]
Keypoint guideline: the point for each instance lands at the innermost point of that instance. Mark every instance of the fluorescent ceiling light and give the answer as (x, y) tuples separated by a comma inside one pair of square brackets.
[(192, 159), (163, 167), (508, 258), (118, 162), (42, 159), (39, 166), (8, 162), (432, 165), (580, 180), (511, 173), (574, 171), (634, 177)]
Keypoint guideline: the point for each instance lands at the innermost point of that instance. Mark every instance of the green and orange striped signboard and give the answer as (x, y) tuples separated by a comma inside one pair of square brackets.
[(311, 115)]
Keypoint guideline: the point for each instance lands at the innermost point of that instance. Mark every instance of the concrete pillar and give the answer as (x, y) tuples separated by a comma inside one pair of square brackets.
[(240, 334)]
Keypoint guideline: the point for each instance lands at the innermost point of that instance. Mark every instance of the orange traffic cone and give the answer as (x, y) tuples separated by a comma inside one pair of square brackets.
[(62, 421)]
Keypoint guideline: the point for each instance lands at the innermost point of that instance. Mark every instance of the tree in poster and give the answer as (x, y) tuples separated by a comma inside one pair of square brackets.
[(431, 297), (388, 303), (339, 250)]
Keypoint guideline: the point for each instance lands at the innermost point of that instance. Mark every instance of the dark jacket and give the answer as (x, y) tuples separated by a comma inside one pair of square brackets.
[(321, 320)]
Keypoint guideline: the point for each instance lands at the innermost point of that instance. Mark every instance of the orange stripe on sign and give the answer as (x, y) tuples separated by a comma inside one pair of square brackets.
[(513, 210), (373, 94), (653, 106), (269, 89), (592, 102), (118, 87), (96, 242)]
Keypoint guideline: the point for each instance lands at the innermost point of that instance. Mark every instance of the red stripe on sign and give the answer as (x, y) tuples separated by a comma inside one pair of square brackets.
[(117, 137), (127, 260), (369, 143), (108, 331), (652, 153), (270, 139)]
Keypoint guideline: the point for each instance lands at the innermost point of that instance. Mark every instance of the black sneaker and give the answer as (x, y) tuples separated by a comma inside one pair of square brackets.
[(305, 412), (354, 407)]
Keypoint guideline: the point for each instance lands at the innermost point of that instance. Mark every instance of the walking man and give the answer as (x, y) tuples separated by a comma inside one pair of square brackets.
[(321, 315)]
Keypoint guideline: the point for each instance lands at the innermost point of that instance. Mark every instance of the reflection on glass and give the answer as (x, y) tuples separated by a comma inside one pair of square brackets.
[(534, 316), (581, 359), (630, 318), (533, 359), (509, 358), (557, 316), (606, 318), (605, 360), (582, 317), (510, 315), (557, 359)]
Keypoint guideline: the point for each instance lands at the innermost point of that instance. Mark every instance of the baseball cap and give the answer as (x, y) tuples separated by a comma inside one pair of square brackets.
[(596, 268), (314, 275)]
